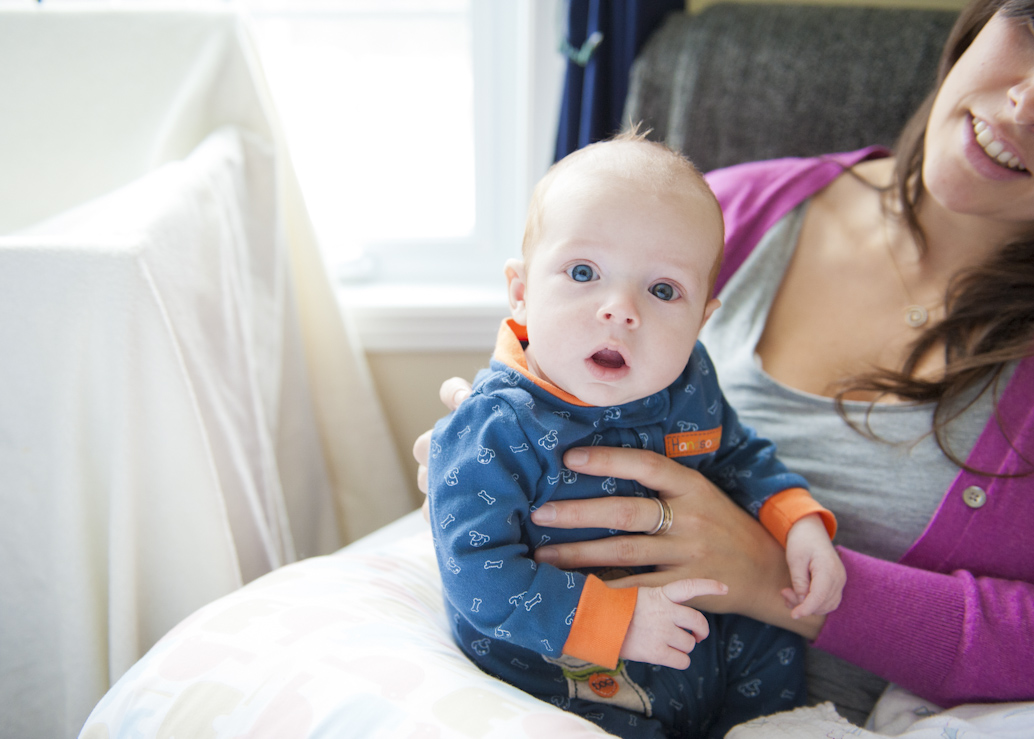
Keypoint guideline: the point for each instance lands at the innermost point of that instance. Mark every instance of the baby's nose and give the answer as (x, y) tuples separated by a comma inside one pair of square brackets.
[(620, 309)]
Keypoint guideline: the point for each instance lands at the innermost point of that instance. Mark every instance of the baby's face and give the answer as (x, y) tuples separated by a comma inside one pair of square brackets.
[(616, 290)]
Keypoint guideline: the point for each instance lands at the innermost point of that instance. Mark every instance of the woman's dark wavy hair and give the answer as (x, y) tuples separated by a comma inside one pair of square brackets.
[(989, 318)]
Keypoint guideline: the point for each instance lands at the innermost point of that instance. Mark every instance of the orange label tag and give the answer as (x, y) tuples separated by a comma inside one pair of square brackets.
[(690, 443), (603, 685)]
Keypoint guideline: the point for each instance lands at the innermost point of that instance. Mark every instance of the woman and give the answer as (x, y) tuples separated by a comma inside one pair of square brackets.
[(877, 323)]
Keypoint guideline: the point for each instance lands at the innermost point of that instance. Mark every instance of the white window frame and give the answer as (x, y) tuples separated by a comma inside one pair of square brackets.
[(451, 296)]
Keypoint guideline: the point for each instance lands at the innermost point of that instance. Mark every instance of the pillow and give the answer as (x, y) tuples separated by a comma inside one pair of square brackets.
[(350, 644), (355, 644)]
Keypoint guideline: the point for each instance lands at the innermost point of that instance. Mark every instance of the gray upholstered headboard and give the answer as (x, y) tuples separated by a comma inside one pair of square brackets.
[(741, 82)]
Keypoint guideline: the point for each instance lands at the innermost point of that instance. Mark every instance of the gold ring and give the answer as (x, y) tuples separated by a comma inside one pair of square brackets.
[(667, 518)]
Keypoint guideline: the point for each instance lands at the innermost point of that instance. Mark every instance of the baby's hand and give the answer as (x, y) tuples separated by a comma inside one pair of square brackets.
[(663, 630), (816, 571)]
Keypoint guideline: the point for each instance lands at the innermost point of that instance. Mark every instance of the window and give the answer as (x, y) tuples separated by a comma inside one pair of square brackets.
[(418, 129), (410, 125)]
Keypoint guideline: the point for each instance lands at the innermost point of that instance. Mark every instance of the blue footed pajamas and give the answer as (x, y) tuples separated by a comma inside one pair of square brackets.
[(499, 456)]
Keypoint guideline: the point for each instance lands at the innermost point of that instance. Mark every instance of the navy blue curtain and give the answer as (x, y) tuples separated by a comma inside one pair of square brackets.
[(603, 37)]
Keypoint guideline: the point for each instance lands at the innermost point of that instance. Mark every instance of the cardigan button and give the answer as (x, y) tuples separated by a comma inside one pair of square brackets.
[(974, 496)]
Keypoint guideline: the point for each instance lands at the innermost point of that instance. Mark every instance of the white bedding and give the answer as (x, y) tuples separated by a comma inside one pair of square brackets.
[(351, 644), (151, 372), (166, 327), (355, 644)]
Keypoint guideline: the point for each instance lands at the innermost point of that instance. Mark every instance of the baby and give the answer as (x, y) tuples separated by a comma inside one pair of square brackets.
[(622, 246)]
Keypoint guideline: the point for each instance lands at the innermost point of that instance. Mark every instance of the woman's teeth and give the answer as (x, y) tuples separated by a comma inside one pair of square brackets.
[(995, 148)]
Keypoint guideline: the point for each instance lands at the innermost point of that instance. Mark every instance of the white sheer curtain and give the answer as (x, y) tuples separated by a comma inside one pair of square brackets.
[(182, 405)]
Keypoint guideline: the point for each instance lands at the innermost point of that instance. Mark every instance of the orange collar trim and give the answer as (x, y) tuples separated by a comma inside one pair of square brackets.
[(509, 351)]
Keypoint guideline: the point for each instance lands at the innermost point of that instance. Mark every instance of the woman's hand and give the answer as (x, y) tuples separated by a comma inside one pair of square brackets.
[(711, 537), (452, 393)]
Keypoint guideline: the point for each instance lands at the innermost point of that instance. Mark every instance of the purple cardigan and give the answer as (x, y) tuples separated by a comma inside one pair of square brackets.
[(953, 619)]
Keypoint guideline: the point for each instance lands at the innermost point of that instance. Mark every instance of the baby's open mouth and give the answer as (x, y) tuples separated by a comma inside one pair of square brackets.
[(608, 358)]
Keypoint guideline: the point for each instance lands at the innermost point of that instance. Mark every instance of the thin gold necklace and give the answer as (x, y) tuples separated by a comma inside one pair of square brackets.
[(916, 315)]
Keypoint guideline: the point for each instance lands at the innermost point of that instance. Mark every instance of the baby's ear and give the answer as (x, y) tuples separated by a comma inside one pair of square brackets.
[(516, 287), (712, 305)]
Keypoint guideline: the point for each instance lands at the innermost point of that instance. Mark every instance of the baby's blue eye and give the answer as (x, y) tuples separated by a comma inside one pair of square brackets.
[(664, 291), (582, 273)]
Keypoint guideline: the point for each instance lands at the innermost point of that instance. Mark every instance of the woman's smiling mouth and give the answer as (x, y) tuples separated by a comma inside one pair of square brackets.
[(995, 148)]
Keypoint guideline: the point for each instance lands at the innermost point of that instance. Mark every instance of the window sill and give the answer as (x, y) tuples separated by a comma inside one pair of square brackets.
[(405, 317)]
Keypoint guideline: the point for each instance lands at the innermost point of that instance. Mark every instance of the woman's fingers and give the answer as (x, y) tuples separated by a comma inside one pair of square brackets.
[(655, 579), (648, 468), (711, 603), (453, 392), (626, 514), (682, 590), (667, 477), (421, 449), (614, 551)]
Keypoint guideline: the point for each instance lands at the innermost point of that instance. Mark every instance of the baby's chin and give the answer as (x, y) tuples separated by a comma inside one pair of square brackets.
[(599, 394), (595, 388)]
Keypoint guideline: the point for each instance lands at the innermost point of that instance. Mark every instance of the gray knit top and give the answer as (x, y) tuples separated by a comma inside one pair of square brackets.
[(883, 492)]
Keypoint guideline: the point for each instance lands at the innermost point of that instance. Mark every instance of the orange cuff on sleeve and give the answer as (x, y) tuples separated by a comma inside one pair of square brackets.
[(786, 508), (600, 623)]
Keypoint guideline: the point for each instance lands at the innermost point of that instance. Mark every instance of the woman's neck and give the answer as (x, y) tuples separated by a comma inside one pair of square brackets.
[(955, 242), (952, 242)]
